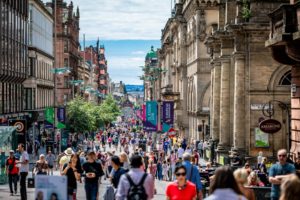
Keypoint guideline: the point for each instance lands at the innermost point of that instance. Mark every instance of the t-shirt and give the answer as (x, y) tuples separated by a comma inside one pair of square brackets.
[(23, 158), (276, 170), (180, 152), (11, 165), (72, 183), (93, 167), (187, 193), (116, 175)]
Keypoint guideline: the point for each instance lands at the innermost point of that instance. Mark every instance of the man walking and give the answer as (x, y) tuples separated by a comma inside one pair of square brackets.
[(200, 148), (24, 169), (136, 184), (12, 172), (50, 158), (278, 172), (192, 173)]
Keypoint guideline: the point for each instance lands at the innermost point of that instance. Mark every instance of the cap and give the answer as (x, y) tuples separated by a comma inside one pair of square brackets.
[(11, 151)]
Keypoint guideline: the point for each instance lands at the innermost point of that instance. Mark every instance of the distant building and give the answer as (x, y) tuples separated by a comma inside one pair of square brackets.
[(66, 48)]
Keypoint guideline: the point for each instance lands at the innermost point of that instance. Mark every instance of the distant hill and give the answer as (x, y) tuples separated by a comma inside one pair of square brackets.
[(134, 88)]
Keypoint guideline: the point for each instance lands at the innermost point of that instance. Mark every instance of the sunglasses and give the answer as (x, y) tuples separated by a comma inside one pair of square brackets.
[(181, 174), (281, 155)]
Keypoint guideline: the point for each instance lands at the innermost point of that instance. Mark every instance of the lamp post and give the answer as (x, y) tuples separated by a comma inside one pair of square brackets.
[(203, 122)]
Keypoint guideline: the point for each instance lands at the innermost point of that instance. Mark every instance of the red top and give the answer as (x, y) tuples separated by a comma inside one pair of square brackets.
[(11, 161), (187, 193)]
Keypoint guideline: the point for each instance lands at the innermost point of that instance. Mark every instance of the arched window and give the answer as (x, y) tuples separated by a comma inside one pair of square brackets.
[(286, 79)]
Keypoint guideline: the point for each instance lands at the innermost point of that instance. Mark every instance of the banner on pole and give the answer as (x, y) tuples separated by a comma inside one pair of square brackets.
[(151, 116), (167, 115)]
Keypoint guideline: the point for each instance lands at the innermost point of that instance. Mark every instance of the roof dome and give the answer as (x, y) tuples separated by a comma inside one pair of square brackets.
[(151, 54)]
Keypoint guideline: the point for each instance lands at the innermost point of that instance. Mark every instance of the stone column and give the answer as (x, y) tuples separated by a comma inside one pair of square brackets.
[(239, 103), (225, 104), (216, 101)]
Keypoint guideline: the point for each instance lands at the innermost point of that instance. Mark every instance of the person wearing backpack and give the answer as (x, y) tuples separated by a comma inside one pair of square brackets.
[(136, 184), (12, 172), (192, 173)]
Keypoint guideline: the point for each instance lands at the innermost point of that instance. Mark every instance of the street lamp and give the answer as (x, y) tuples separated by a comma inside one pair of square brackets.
[(203, 122)]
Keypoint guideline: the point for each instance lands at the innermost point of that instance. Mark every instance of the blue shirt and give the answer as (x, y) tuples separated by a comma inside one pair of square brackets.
[(192, 174), (276, 170)]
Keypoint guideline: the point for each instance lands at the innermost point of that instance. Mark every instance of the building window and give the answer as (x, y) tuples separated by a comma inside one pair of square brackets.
[(286, 79), (66, 46), (66, 62)]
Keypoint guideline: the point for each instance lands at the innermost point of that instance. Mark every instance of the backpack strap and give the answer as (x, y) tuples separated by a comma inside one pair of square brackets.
[(143, 179), (130, 180)]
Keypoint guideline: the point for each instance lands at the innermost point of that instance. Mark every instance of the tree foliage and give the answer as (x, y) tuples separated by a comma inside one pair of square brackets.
[(86, 117)]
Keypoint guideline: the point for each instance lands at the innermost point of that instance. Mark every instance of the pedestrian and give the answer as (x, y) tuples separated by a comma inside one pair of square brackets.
[(136, 184), (240, 176), (50, 158), (290, 188), (23, 169), (224, 186), (199, 147), (124, 160), (12, 172), (173, 159), (93, 171), (72, 171), (180, 152), (278, 172), (165, 171), (65, 159), (117, 171), (181, 188), (152, 167), (253, 180), (41, 166), (192, 173)]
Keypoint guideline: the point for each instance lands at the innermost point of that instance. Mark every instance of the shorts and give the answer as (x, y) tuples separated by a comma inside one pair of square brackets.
[(50, 166)]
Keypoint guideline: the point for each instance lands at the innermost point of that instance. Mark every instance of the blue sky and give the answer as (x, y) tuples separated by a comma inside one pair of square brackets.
[(127, 28)]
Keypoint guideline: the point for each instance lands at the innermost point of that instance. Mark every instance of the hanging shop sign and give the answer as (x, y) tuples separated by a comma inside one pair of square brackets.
[(270, 126)]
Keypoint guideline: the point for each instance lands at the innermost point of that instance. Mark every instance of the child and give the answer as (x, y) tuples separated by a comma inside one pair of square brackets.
[(165, 167)]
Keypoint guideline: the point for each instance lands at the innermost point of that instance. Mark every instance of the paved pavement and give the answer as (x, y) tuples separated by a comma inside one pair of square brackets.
[(159, 185), (5, 194)]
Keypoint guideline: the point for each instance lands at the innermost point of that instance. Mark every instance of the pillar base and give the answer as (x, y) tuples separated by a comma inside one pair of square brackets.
[(222, 154)]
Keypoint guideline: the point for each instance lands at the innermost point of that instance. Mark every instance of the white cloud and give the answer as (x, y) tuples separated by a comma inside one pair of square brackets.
[(123, 19), (138, 53)]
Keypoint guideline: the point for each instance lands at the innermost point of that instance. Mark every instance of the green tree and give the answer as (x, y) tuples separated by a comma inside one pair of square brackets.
[(109, 110), (80, 117)]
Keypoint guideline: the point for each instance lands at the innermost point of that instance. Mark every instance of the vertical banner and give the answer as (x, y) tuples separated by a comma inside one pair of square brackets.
[(151, 116), (20, 129), (61, 115), (49, 117), (144, 112), (167, 115)]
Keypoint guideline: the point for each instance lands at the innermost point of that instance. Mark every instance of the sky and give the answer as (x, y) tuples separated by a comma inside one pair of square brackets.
[(127, 28)]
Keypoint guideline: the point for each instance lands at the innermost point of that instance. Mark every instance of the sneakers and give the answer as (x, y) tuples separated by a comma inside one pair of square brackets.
[(11, 194), (16, 192)]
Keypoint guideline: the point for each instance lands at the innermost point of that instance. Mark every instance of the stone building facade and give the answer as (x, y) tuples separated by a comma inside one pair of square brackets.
[(39, 86), (245, 79), (66, 47), (284, 43), (185, 61)]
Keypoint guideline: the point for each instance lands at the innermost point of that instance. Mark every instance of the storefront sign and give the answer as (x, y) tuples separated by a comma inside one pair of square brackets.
[(261, 138), (270, 126), (21, 129), (259, 106)]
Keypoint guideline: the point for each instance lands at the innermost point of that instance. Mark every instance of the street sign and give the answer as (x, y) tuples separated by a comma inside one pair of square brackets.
[(270, 126)]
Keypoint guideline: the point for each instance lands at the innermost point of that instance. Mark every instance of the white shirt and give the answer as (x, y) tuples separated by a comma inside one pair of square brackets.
[(180, 152), (225, 194), (23, 158)]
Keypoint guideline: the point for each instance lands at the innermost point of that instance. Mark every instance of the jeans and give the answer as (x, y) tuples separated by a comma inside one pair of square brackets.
[(13, 179), (23, 192), (91, 190)]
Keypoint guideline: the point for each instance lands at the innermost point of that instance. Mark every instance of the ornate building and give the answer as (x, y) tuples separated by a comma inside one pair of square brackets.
[(245, 80), (284, 43), (185, 61), (66, 46)]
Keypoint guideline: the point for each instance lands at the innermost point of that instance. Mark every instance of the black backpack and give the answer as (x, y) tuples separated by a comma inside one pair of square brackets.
[(136, 192)]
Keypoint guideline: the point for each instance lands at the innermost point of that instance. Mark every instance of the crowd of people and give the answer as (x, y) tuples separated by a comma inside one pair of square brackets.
[(132, 159)]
